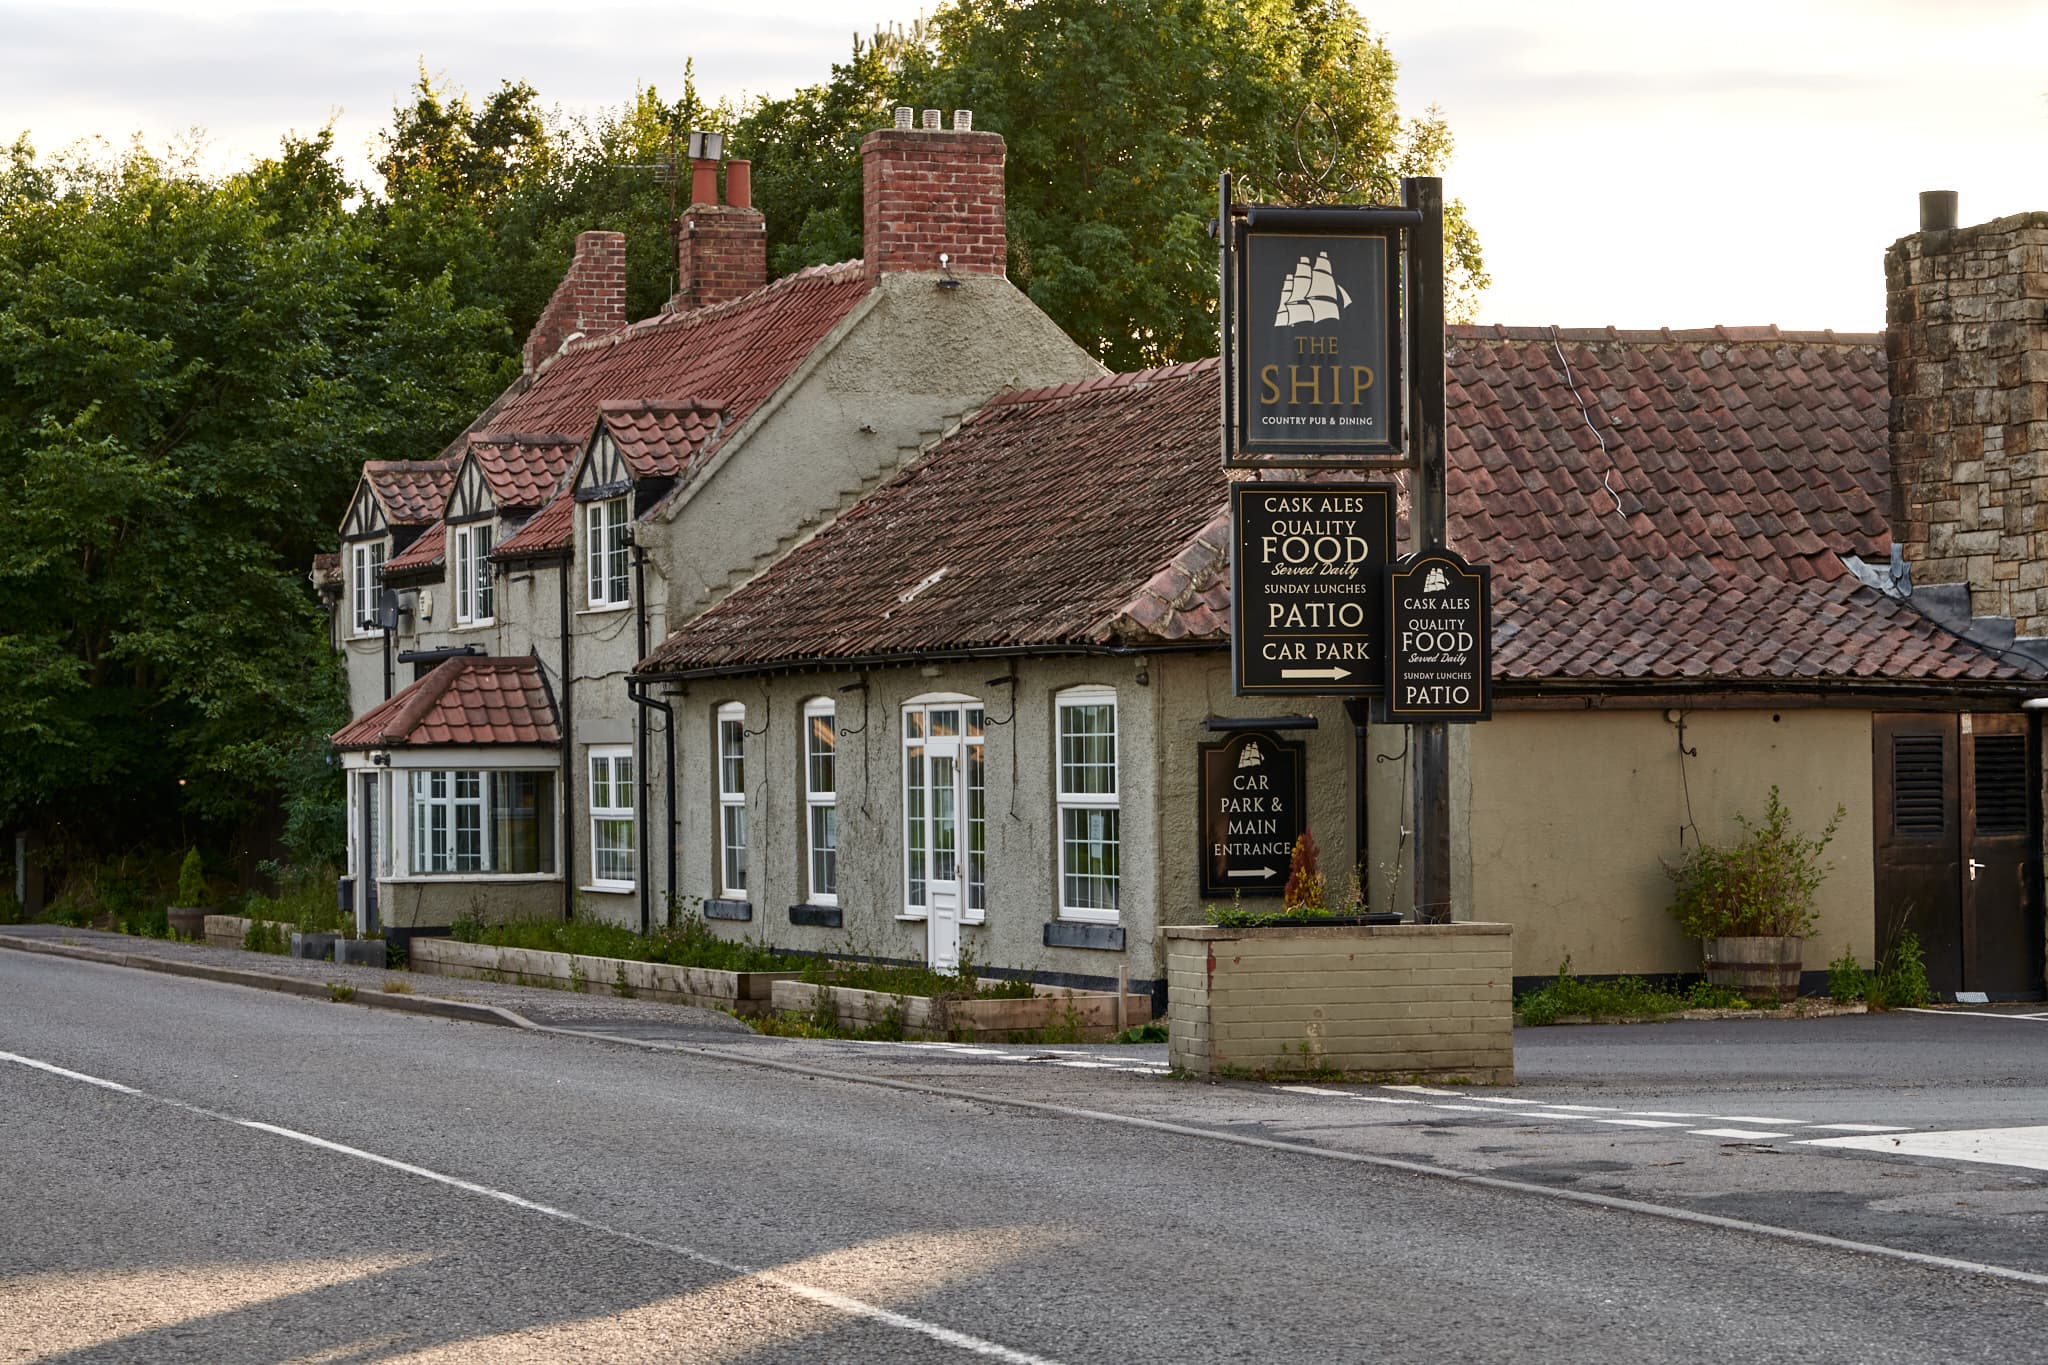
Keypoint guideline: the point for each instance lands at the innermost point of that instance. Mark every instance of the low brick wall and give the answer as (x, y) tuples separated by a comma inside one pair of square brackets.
[(1372, 1001), (1091, 1013), (740, 992)]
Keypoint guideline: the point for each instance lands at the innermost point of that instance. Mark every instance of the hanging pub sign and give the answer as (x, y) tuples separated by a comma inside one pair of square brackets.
[(1254, 799), (1307, 577), (1317, 336), (1439, 639)]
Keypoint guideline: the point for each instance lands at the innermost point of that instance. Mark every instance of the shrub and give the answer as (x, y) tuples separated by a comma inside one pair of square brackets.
[(1900, 981), (1762, 885), (1847, 980), (305, 900), (191, 880), (1626, 997)]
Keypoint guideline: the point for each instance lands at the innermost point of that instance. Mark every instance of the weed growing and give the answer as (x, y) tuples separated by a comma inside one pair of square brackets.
[(1847, 981), (1900, 981), (1627, 997), (687, 943), (340, 993), (1153, 1032), (394, 986)]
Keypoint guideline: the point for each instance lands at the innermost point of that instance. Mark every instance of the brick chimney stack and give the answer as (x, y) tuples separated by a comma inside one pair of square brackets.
[(591, 299), (721, 248), (927, 191), (1966, 335)]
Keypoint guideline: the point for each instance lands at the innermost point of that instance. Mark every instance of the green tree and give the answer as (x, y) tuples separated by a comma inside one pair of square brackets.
[(191, 370)]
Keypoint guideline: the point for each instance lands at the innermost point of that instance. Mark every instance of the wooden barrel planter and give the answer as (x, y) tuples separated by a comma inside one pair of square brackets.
[(1760, 968)]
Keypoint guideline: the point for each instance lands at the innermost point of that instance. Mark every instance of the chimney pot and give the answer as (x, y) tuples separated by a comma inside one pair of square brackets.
[(739, 183), (963, 120), (1937, 210), (703, 181), (931, 120), (904, 116)]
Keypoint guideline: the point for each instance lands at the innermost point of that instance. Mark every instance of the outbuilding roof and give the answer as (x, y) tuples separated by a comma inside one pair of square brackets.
[(1656, 506), (471, 700), (423, 554)]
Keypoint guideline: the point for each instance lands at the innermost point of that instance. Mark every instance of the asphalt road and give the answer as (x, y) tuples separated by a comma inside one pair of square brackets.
[(563, 1199)]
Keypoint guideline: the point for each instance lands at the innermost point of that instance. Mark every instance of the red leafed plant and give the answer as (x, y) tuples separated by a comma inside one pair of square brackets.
[(1306, 888)]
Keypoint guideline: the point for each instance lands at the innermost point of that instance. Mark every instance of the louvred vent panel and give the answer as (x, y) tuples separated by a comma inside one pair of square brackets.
[(1918, 788)]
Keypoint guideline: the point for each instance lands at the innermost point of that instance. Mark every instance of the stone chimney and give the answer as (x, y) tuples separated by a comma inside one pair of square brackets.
[(928, 192), (1966, 335), (591, 299), (721, 247)]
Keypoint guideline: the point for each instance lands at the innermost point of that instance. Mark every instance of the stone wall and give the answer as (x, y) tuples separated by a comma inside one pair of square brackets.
[(1406, 1000), (1965, 335)]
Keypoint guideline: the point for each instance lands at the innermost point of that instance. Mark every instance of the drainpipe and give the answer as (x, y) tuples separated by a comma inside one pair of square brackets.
[(568, 801), (1360, 712), (644, 699), (640, 726)]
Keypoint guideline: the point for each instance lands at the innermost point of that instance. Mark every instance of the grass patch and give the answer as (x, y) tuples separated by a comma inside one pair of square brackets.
[(395, 986), (340, 993), (1628, 997), (688, 943)]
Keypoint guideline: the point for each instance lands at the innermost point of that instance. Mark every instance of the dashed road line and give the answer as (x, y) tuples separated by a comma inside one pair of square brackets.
[(1741, 1134)]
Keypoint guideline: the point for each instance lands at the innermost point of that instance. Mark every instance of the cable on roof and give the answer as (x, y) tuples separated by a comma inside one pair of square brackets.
[(1587, 413)]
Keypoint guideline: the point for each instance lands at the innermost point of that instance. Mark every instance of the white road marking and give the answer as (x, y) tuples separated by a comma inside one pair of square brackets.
[(1584, 1108), (1974, 1014), (1642, 1123), (2026, 1147), (1860, 1127), (1752, 1118), (845, 1303), (1737, 1133), (1669, 1114), (1426, 1090)]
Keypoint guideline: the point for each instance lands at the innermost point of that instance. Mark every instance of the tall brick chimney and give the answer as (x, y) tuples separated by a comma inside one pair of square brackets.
[(927, 191), (1966, 334), (721, 247), (591, 298)]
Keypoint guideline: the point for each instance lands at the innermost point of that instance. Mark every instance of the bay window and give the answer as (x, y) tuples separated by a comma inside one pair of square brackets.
[(467, 820)]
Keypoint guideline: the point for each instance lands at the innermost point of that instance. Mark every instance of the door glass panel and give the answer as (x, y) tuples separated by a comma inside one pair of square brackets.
[(977, 826), (945, 839)]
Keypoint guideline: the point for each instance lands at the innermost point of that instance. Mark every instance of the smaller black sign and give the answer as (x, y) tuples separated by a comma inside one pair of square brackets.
[(1307, 567), (1439, 639), (1254, 802)]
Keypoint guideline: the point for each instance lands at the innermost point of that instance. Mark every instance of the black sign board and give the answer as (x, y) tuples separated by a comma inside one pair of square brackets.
[(1439, 639), (1318, 344), (1254, 806), (1307, 581)]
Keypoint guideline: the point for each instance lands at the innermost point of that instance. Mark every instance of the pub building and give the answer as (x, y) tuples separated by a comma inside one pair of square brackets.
[(985, 705)]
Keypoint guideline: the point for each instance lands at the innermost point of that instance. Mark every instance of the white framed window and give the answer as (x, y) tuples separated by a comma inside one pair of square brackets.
[(732, 800), (366, 578), (611, 817), (471, 565), (945, 807), (821, 801), (466, 820), (604, 552), (1088, 804)]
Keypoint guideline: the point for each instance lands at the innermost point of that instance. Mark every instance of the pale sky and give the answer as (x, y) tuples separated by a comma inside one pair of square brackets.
[(1627, 162)]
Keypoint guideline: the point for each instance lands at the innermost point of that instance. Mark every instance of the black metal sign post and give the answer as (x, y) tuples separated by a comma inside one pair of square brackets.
[(1254, 803), (1314, 352), (1307, 569), (1439, 639)]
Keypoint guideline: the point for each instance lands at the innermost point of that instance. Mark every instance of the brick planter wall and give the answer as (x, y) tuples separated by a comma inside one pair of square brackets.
[(740, 992), (1093, 1013), (1431, 1000)]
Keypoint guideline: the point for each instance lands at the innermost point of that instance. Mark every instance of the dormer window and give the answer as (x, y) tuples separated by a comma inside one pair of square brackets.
[(366, 570), (471, 567), (605, 527)]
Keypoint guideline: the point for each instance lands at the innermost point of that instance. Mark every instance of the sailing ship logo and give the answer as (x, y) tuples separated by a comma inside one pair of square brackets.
[(1251, 756), (1435, 581), (1311, 294)]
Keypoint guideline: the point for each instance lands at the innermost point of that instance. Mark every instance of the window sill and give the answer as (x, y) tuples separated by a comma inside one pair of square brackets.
[(1088, 916), (719, 907), (450, 878), (472, 625), (1069, 933), (610, 889), (602, 609)]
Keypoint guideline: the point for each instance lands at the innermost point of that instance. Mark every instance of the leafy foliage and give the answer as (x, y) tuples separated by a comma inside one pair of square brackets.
[(1900, 981), (688, 943), (1847, 981), (191, 880), (1761, 885), (1627, 997)]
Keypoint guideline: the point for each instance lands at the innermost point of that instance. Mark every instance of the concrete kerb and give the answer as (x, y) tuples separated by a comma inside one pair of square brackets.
[(285, 985)]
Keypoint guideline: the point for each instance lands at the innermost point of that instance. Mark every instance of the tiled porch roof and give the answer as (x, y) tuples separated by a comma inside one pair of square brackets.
[(462, 701)]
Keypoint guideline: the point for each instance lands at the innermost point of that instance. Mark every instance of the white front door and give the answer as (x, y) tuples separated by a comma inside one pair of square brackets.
[(944, 822)]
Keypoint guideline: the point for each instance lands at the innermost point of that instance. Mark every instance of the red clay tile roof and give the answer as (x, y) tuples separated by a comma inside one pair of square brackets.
[(424, 553), (657, 438), (411, 492), (1743, 464), (524, 470), (547, 532), (1033, 525), (326, 570), (734, 354), (463, 701)]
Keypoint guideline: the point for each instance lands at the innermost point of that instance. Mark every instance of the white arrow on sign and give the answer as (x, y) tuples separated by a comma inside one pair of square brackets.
[(1253, 872), (1333, 674)]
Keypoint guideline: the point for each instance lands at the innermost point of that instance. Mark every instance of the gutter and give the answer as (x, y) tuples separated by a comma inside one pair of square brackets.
[(903, 659)]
